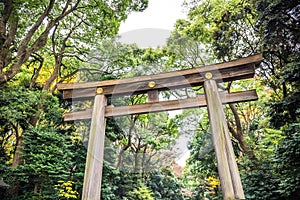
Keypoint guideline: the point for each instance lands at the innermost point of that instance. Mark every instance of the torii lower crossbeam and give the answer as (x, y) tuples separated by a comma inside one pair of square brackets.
[(213, 99)]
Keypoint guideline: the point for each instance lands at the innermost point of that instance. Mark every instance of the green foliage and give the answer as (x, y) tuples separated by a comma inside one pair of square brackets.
[(113, 183), (19, 106), (58, 35), (53, 152), (65, 189), (46, 149), (186, 52), (164, 185), (281, 52), (236, 29), (287, 163), (265, 181), (277, 177), (144, 140), (225, 26), (47, 159), (201, 174), (110, 59), (261, 183), (160, 184), (79, 152), (141, 193), (286, 110)]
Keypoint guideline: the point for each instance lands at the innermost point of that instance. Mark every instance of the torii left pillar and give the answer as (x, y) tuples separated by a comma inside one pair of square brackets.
[(94, 159), (229, 71)]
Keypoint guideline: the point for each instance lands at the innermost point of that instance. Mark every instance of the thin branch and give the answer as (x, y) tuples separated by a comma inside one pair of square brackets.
[(36, 71), (34, 28)]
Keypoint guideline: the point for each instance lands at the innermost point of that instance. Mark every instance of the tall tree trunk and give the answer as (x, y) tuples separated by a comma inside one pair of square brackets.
[(137, 158), (237, 133), (18, 160), (23, 51), (121, 154), (35, 190), (144, 166)]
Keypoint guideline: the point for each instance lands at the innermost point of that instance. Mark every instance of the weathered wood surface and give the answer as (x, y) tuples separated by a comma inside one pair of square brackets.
[(227, 71), (227, 167), (153, 96), (215, 117), (234, 171), (94, 160), (199, 101)]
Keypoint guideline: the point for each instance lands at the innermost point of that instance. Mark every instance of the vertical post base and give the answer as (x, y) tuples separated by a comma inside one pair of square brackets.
[(94, 160), (227, 167)]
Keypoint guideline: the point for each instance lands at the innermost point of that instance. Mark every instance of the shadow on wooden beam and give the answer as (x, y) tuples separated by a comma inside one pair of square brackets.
[(199, 101), (228, 71)]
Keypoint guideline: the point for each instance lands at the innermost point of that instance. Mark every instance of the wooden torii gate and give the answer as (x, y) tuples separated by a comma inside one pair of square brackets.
[(151, 84)]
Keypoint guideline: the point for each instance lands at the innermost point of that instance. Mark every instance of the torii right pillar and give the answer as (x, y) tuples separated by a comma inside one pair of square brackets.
[(228, 171)]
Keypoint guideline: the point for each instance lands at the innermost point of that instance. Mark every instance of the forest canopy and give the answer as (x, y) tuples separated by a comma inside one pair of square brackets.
[(44, 43)]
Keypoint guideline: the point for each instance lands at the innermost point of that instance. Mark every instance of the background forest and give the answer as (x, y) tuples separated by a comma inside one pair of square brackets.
[(44, 43)]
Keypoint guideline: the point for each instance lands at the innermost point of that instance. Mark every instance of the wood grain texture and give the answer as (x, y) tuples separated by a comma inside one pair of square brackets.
[(153, 96), (216, 117), (227, 167), (235, 175), (255, 59), (191, 80), (94, 160), (200, 101), (228, 71)]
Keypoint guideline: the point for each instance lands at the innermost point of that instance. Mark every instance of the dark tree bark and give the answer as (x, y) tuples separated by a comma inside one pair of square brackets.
[(237, 133), (8, 30)]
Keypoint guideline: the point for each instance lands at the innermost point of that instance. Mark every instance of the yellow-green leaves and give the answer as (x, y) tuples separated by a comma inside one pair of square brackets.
[(65, 189)]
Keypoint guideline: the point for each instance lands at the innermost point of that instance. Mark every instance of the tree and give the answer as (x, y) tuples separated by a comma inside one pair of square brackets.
[(141, 193), (236, 29), (69, 27), (145, 142), (18, 107), (66, 39), (186, 50), (287, 163), (281, 51), (56, 36), (48, 160), (201, 169), (226, 29), (225, 26), (280, 72), (164, 184), (45, 150)]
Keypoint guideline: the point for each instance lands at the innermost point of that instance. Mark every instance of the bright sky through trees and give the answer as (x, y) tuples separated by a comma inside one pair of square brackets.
[(43, 43), (159, 14), (153, 26)]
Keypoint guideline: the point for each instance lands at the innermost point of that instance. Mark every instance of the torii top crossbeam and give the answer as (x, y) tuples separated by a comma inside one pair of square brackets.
[(151, 84), (228, 71)]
